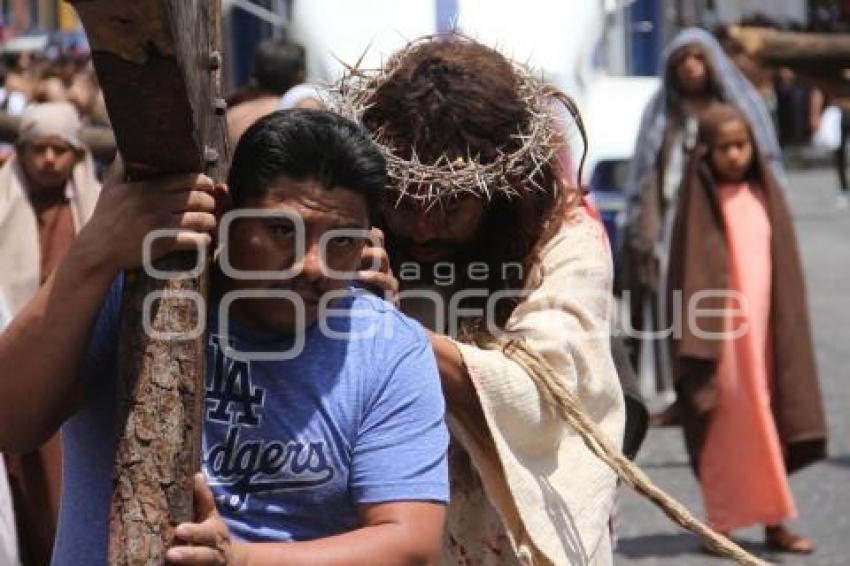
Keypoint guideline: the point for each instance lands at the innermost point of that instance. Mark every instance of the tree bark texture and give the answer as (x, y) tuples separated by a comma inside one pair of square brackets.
[(159, 66)]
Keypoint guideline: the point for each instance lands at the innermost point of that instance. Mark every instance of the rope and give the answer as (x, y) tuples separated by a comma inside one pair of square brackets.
[(569, 409)]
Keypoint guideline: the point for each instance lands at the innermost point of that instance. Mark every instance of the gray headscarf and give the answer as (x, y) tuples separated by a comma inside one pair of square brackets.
[(734, 89)]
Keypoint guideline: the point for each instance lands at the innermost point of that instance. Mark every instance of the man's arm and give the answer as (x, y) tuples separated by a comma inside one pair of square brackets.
[(406, 532), (462, 400), (403, 533), (42, 350)]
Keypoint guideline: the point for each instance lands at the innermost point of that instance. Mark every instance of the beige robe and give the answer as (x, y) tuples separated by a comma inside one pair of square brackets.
[(34, 478), (20, 256), (548, 499)]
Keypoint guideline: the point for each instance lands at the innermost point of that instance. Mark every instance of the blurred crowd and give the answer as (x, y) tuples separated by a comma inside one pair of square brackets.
[(56, 75), (795, 107)]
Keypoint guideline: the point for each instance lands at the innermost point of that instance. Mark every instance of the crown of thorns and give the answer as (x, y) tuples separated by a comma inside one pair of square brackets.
[(510, 173)]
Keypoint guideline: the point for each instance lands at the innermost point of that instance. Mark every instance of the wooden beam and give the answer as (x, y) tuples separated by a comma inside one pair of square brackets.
[(819, 59), (789, 48), (159, 65)]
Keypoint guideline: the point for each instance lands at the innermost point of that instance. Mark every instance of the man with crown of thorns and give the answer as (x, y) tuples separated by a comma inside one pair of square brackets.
[(489, 244)]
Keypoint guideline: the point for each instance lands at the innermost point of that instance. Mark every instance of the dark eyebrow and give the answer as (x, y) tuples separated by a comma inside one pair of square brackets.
[(350, 225), (278, 219), (347, 221)]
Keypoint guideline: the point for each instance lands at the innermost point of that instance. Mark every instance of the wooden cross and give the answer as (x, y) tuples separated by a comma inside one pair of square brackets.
[(158, 62)]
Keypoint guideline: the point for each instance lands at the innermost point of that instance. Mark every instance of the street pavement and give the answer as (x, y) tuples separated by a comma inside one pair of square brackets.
[(647, 538)]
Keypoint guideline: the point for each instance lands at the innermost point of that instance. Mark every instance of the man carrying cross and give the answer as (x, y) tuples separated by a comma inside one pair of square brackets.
[(323, 432)]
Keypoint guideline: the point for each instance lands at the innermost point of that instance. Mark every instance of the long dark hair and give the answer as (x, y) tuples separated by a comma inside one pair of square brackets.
[(456, 98)]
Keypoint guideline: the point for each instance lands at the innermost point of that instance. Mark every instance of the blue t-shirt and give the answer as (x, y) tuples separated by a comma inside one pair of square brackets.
[(290, 447)]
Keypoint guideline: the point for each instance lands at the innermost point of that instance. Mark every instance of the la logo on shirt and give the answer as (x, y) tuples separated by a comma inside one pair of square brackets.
[(240, 459)]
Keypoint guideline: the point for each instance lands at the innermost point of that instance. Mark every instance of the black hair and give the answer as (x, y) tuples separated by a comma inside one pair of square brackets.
[(278, 66), (307, 144)]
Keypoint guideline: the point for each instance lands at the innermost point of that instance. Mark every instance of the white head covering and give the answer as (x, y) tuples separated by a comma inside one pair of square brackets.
[(302, 92), (58, 119), (20, 255)]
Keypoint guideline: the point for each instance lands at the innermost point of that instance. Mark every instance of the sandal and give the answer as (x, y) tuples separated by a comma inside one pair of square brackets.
[(780, 539)]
